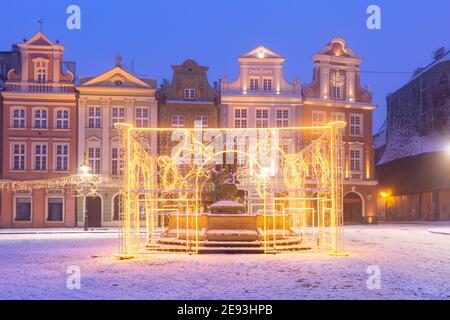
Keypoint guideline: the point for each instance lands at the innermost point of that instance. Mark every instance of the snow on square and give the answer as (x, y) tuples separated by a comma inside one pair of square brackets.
[(414, 261)]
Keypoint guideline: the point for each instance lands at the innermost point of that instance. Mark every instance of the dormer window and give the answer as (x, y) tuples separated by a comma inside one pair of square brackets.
[(267, 84), (40, 70), (337, 85), (254, 84), (189, 94)]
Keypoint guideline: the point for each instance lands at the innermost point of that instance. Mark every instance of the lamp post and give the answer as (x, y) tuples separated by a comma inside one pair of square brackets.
[(386, 196), (86, 186)]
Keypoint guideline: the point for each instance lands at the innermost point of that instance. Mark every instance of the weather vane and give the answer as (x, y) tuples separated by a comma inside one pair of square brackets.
[(41, 22)]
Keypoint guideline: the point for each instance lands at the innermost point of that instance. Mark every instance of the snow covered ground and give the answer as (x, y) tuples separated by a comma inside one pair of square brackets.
[(414, 260)]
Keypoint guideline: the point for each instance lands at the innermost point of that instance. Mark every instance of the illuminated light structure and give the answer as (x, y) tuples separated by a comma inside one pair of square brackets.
[(293, 200)]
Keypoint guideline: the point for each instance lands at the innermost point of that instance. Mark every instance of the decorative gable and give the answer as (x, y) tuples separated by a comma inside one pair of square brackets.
[(261, 52), (117, 78)]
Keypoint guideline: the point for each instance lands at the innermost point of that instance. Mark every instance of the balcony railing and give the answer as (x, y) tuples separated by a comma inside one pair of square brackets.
[(239, 91), (40, 87)]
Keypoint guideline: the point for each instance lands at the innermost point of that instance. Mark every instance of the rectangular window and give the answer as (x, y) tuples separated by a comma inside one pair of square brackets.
[(94, 119), (336, 93), (318, 118), (18, 156), (55, 209), (254, 84), (23, 209), (356, 122), (118, 115), (267, 84), (178, 121), (282, 118), (40, 119), (62, 157), (203, 120), (94, 160), (240, 118), (189, 94), (18, 118), (262, 118), (142, 117), (116, 162), (62, 119), (40, 157), (355, 159)]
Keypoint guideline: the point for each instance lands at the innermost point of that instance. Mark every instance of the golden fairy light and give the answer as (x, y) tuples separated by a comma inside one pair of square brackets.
[(289, 179)]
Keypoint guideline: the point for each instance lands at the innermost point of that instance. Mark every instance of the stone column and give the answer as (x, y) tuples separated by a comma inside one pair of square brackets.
[(105, 151)]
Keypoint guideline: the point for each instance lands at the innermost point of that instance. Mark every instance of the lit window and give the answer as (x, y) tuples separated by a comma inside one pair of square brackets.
[(356, 122), (355, 159), (40, 118), (18, 158), (254, 84), (55, 209), (282, 118), (94, 160), (23, 209), (240, 118), (203, 120), (40, 157), (94, 119), (262, 118), (189, 94), (267, 84), (178, 121), (62, 157), (118, 115), (18, 120), (62, 119)]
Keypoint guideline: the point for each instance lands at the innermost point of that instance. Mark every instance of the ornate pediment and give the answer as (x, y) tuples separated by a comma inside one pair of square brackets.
[(116, 78), (261, 52)]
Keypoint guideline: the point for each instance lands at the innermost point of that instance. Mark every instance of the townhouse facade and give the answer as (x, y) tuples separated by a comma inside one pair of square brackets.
[(116, 96), (52, 123), (335, 94), (39, 135)]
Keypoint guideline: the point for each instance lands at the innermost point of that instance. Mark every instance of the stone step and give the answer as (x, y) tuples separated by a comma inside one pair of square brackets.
[(233, 244), (230, 250)]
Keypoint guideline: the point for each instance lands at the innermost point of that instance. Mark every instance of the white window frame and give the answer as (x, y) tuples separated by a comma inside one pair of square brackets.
[(352, 159), (13, 156), (41, 70), (64, 157), (253, 84), (337, 93), (190, 94), (20, 119), (356, 127), (283, 120), (142, 121), (240, 120), (41, 118), (117, 116), (116, 161), (95, 161), (316, 123), (178, 121), (262, 117), (267, 84), (41, 156), (95, 117), (63, 209), (60, 122), (28, 196), (204, 120)]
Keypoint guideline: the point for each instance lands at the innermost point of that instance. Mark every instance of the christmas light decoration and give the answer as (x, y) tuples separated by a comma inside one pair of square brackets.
[(292, 179)]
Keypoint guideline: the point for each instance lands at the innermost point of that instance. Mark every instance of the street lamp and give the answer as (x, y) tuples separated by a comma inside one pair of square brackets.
[(86, 186), (386, 195)]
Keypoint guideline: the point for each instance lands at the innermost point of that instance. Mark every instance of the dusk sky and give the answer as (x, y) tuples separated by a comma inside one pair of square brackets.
[(158, 34)]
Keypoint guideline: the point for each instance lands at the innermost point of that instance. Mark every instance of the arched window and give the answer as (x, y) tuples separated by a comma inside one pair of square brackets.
[(117, 202), (40, 70)]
